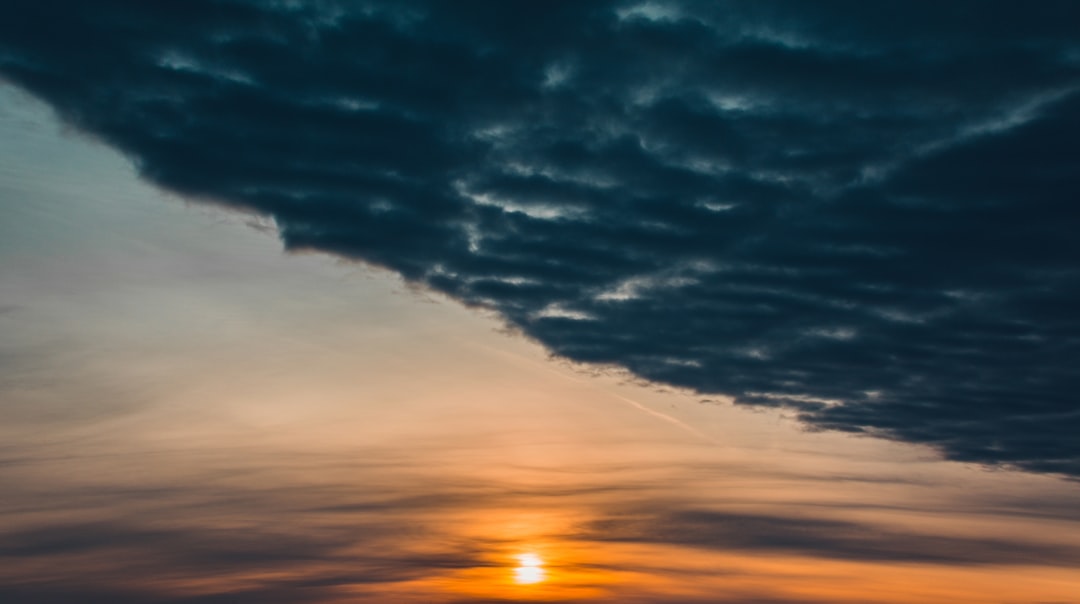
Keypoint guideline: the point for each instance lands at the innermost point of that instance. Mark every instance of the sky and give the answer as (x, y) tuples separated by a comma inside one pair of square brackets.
[(675, 302)]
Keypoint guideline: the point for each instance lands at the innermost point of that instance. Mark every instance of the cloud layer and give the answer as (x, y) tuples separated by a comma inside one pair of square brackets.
[(865, 213), (387, 537)]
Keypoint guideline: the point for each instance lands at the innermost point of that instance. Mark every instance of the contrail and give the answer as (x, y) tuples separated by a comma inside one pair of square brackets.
[(640, 407)]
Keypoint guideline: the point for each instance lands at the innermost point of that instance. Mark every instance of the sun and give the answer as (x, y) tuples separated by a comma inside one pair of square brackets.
[(530, 569)]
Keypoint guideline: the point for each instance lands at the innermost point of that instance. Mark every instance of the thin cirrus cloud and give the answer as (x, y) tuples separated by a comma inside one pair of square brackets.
[(862, 213)]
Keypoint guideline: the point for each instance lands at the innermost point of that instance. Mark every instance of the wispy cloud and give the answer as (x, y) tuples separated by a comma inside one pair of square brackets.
[(823, 538)]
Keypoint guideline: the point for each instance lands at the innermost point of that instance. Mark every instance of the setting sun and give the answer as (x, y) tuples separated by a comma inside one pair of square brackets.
[(530, 569)]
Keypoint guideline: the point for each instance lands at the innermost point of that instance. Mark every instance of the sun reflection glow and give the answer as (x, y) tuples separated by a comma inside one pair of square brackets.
[(530, 569)]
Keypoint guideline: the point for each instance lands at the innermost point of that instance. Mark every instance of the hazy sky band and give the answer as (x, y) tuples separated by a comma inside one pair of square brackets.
[(864, 212)]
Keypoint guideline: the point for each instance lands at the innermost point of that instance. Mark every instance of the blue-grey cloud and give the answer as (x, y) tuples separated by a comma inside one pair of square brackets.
[(865, 213)]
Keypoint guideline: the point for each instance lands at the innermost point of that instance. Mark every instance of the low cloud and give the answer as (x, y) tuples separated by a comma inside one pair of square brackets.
[(822, 538), (862, 213), (203, 541)]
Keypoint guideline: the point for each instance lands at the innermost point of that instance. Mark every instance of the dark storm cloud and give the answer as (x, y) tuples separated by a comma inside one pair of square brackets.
[(864, 212)]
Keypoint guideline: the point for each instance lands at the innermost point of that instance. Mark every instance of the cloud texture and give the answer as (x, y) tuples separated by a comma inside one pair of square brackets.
[(862, 212)]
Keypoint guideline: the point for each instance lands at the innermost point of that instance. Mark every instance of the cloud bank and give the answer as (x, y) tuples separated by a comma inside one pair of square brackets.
[(865, 213)]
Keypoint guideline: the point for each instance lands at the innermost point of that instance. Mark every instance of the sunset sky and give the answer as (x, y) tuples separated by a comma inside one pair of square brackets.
[(489, 302)]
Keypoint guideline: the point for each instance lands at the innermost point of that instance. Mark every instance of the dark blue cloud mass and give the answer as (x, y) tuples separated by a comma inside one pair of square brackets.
[(865, 212)]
